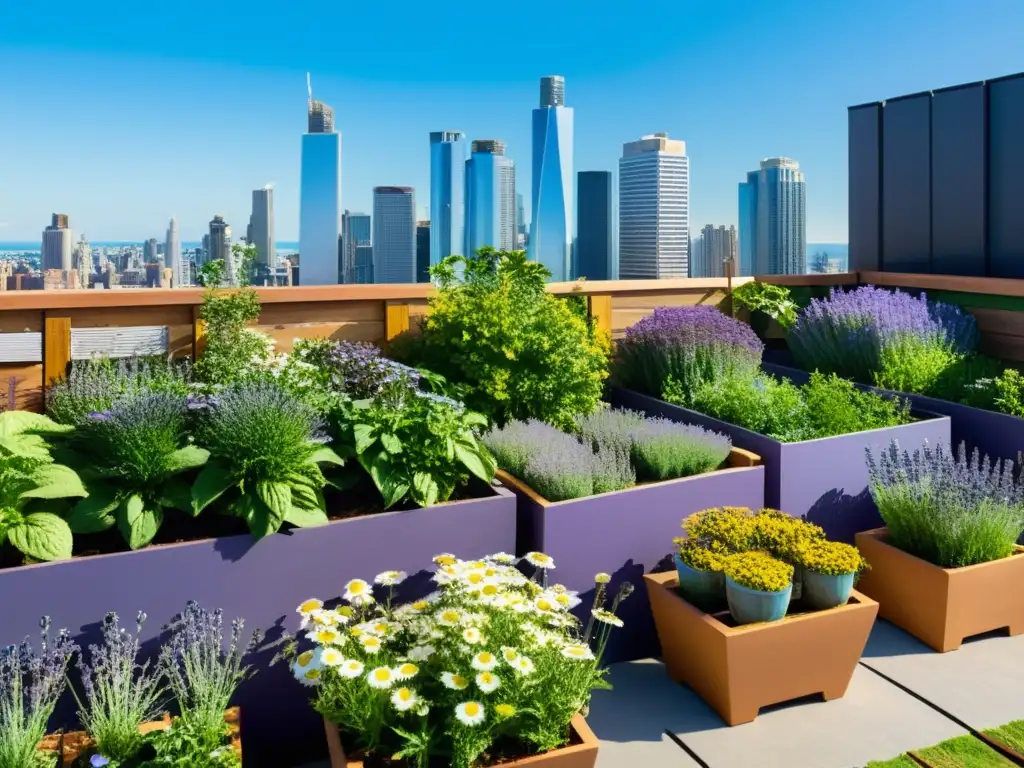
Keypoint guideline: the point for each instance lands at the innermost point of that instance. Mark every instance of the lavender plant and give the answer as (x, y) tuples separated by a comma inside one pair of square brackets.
[(120, 693), (31, 682), (685, 345), (951, 510)]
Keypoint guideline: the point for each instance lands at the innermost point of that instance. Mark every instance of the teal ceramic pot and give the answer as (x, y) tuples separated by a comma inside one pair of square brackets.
[(702, 588), (822, 592), (749, 606)]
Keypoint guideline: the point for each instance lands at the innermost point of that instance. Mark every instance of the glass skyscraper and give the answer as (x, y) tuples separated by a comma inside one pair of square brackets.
[(490, 197), (551, 204), (320, 199), (773, 221), (356, 232), (594, 254), (447, 194), (394, 235)]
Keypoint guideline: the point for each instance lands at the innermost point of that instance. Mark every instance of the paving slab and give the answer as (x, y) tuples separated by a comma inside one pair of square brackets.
[(981, 683)]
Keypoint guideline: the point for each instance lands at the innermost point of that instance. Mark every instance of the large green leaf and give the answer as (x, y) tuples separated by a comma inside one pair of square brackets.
[(278, 498), (176, 493), (19, 422), (257, 515), (55, 481), (304, 495), (213, 481), (475, 459), (95, 512), (391, 443), (189, 457), (138, 522), (391, 483), (364, 435), (325, 455), (26, 446), (42, 536), (425, 488), (306, 517), (345, 479)]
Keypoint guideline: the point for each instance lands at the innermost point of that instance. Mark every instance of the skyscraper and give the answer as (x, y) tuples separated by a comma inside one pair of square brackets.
[(551, 203), (520, 220), (261, 223), (172, 254), (773, 223), (394, 235), (58, 244), (356, 232), (490, 197), (220, 247), (594, 252), (447, 194), (714, 247), (654, 208), (150, 251), (422, 251), (320, 197)]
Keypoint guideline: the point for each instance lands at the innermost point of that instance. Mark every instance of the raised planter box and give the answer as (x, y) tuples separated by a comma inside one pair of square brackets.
[(262, 582), (823, 480), (582, 753), (626, 534), (739, 669), (942, 606)]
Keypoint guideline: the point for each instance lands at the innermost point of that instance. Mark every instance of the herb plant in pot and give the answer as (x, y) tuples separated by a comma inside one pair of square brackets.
[(701, 579), (757, 586), (829, 571)]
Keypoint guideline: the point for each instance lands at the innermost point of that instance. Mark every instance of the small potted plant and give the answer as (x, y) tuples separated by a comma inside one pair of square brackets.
[(757, 586), (829, 571), (701, 579)]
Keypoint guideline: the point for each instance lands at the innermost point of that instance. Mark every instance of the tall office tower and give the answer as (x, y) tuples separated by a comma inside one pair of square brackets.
[(520, 220), (319, 197), (714, 247), (394, 235), (654, 208), (261, 223), (220, 247), (422, 251), (551, 204), (490, 197), (58, 243), (204, 253), (364, 264), (149, 250), (594, 254), (773, 222), (81, 262), (447, 194), (355, 233), (172, 254)]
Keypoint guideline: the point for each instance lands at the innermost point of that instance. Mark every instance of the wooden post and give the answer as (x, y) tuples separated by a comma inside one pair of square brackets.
[(56, 348), (600, 309), (728, 287), (396, 319), (198, 333)]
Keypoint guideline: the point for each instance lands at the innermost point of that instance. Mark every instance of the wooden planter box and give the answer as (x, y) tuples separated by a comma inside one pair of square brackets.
[(942, 606), (77, 742), (582, 754), (739, 669), (626, 534)]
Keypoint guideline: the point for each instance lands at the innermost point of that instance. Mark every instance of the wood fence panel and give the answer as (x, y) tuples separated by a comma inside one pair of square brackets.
[(28, 385), (340, 320), (177, 318), (630, 308), (21, 321)]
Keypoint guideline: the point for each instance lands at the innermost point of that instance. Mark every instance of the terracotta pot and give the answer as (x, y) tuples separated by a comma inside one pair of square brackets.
[(581, 755), (77, 742), (942, 606), (739, 669)]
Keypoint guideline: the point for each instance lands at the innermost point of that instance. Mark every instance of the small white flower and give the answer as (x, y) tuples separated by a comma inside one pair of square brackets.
[(308, 606), (523, 665), (470, 713), (472, 636), (391, 578), (488, 682), (370, 644), (578, 651), (404, 699), (358, 592), (449, 618), (454, 682), (484, 661), (509, 654), (502, 557), (326, 636), (351, 669), (567, 600), (539, 560), (607, 617), (381, 677), (331, 657), (309, 676), (406, 671)]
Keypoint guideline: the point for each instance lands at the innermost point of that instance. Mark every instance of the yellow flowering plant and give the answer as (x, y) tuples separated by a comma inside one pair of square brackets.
[(491, 666), (759, 571), (782, 535), (728, 526), (710, 559), (830, 558)]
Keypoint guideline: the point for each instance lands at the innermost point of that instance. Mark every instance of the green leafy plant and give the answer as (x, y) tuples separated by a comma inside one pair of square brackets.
[(521, 352), (830, 558), (188, 745), (759, 571), (266, 447), (30, 479), (132, 459), (773, 300), (1009, 392)]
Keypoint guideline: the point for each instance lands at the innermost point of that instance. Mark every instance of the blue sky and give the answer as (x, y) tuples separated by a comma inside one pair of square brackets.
[(125, 116)]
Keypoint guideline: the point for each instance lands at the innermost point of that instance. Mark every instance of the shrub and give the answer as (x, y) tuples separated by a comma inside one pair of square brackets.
[(830, 558), (231, 351), (1009, 392), (521, 352), (460, 674), (685, 347), (834, 406), (952, 511), (759, 571)]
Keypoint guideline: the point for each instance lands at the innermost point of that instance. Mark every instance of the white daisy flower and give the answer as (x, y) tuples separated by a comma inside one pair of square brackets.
[(485, 661), (446, 559), (331, 657), (607, 617), (370, 644), (578, 651), (470, 713), (567, 600), (357, 591), (505, 710), (545, 605), (488, 682), (351, 669), (523, 665), (310, 676), (418, 607), (306, 607), (502, 557), (449, 618), (406, 671), (404, 699), (509, 654), (472, 636), (539, 560), (326, 636), (391, 578), (381, 677), (453, 681), (421, 652)]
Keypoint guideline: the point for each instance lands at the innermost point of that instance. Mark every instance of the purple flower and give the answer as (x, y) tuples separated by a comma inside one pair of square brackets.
[(98, 761), (99, 416)]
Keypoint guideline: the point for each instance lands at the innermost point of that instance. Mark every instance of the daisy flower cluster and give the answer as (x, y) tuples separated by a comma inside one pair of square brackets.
[(492, 658)]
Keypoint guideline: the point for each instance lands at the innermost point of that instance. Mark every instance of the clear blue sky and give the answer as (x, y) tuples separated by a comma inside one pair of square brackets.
[(124, 116)]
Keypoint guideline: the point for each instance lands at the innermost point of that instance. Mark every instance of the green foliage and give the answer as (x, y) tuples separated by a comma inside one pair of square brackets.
[(29, 484), (1009, 392), (759, 571), (232, 350), (773, 300), (1011, 734), (521, 352), (834, 406), (186, 745)]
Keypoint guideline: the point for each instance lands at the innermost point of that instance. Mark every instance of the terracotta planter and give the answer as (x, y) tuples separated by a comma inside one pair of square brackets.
[(942, 606), (580, 755), (739, 669), (77, 742)]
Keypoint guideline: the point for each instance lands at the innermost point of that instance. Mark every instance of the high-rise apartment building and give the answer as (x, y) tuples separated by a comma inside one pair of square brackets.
[(172, 254), (220, 247), (422, 251), (594, 254), (715, 247), (149, 251), (261, 226), (654, 208), (773, 222), (356, 232), (551, 203), (320, 198), (490, 197), (58, 244), (447, 194), (394, 235)]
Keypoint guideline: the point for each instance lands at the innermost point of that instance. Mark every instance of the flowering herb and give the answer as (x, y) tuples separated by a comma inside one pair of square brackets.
[(31, 682), (492, 659), (759, 571), (710, 558), (120, 692), (830, 558), (951, 510)]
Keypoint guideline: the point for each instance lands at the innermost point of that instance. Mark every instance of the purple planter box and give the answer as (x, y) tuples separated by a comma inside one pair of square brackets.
[(625, 533), (262, 582), (824, 480)]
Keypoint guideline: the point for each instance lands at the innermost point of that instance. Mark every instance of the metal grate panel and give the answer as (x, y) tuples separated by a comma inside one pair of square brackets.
[(21, 347), (119, 342)]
